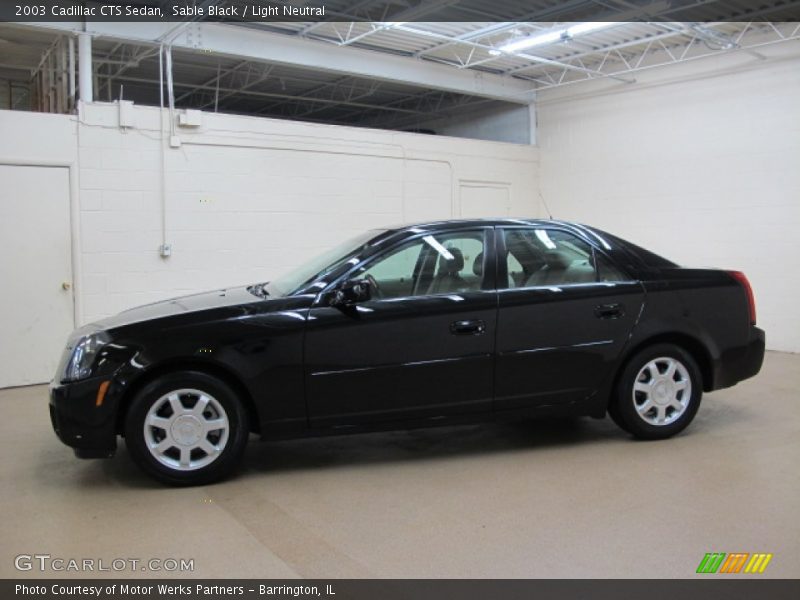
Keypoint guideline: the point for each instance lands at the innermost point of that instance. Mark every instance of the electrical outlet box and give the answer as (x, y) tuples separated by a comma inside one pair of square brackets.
[(165, 250), (174, 141)]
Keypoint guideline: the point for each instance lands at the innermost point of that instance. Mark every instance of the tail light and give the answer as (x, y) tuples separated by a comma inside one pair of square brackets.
[(748, 292)]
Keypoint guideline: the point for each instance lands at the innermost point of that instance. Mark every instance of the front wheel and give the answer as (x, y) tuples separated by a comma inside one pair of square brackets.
[(186, 428), (658, 393)]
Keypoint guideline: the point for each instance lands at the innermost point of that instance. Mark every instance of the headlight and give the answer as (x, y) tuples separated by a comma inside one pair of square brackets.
[(79, 365)]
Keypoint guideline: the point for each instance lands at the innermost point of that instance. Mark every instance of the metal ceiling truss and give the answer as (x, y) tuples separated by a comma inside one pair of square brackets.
[(534, 20), (240, 78), (115, 62), (626, 59), (468, 60), (347, 33), (382, 73), (381, 11), (467, 51)]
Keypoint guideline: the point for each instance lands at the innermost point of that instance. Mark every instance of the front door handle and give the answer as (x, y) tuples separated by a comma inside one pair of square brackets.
[(609, 311), (468, 327)]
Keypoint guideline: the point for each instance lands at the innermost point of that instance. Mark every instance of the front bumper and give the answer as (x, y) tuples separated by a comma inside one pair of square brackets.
[(90, 429)]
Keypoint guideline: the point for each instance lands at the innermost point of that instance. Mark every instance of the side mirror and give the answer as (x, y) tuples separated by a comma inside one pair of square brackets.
[(351, 292)]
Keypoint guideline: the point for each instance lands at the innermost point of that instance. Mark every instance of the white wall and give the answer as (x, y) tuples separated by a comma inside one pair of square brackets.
[(699, 162), (246, 198), (37, 137)]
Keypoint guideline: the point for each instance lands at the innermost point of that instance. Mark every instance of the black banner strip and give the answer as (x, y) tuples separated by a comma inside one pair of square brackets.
[(711, 588), (275, 11)]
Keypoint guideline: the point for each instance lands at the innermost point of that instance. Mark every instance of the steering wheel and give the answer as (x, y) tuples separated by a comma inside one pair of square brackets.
[(376, 290)]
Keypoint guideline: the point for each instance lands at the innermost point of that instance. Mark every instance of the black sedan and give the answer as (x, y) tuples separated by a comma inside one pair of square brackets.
[(430, 324)]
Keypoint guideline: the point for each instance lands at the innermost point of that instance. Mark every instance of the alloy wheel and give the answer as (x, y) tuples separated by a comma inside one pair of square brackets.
[(662, 391), (186, 429)]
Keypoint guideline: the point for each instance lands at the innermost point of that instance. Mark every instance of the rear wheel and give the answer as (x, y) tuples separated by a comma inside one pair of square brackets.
[(658, 393), (613, 412), (186, 428)]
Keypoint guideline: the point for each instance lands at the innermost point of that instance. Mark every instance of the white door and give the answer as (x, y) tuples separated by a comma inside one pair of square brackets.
[(484, 200), (36, 302)]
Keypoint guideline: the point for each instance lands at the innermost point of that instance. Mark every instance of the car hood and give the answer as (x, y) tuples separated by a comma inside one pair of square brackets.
[(235, 296)]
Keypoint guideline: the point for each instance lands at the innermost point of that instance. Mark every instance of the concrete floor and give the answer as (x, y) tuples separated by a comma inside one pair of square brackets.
[(533, 499)]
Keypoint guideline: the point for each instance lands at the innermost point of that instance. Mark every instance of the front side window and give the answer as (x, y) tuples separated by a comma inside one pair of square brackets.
[(324, 263), (445, 263), (551, 257)]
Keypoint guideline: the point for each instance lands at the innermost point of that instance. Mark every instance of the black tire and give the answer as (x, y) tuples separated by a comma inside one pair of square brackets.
[(623, 405), (230, 440), (613, 412)]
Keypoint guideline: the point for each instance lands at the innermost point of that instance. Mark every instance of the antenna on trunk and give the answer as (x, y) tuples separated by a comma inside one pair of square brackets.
[(546, 208)]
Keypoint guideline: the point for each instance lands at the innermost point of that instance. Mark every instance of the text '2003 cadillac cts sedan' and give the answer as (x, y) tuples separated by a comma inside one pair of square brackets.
[(429, 324)]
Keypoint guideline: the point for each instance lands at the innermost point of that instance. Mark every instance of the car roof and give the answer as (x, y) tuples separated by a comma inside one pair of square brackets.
[(445, 225), (483, 222)]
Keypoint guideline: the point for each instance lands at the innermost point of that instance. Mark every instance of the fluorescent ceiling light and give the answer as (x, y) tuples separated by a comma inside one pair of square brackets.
[(555, 35), (535, 40), (580, 28)]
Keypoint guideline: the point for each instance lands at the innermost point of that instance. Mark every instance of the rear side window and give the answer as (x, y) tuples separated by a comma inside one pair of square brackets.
[(606, 271), (550, 257)]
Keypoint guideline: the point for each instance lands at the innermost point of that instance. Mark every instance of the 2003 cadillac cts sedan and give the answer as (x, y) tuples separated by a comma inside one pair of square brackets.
[(437, 323)]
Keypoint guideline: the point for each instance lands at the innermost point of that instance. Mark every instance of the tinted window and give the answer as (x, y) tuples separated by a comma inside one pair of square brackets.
[(326, 262), (607, 271), (550, 257), (432, 264)]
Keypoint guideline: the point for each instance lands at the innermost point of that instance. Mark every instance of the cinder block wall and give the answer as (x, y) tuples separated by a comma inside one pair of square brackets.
[(699, 162), (246, 198)]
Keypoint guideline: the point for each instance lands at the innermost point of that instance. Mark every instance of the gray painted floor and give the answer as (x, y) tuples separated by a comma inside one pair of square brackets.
[(534, 499)]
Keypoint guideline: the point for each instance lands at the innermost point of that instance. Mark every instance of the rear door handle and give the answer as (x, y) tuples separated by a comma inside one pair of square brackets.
[(468, 327), (609, 311)]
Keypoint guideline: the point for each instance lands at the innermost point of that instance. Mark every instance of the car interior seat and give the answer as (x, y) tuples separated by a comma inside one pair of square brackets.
[(449, 279), (580, 271), (559, 269), (477, 265)]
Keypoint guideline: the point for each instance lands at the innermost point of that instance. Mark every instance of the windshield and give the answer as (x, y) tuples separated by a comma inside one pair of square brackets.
[(326, 262)]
